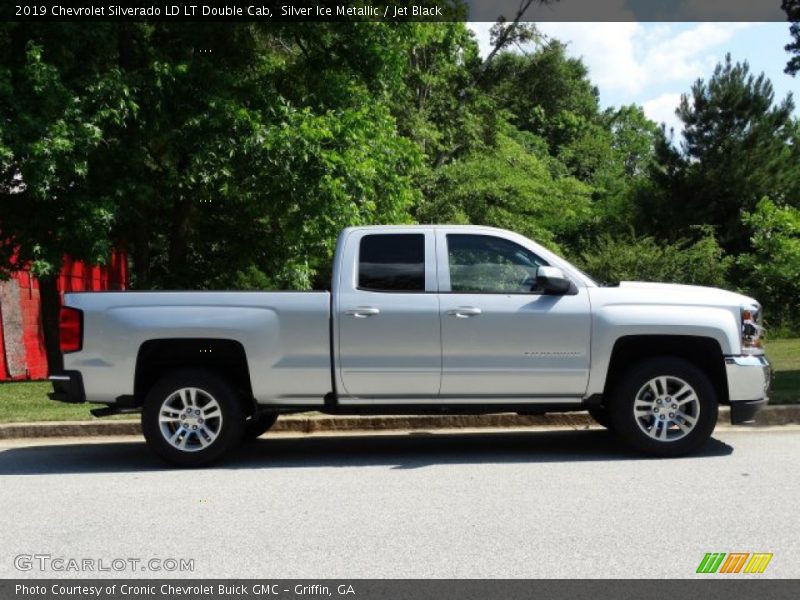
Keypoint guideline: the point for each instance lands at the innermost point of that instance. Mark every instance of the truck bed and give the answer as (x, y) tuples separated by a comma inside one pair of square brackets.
[(285, 336)]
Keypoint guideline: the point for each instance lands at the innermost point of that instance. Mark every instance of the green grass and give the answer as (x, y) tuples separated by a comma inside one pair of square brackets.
[(27, 401), (785, 358)]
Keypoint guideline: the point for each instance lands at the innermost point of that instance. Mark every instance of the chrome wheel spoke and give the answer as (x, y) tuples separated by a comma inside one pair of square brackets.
[(666, 408), (211, 413), (190, 419), (201, 437)]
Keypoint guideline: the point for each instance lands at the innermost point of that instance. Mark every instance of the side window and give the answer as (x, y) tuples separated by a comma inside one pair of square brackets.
[(392, 262), (487, 264)]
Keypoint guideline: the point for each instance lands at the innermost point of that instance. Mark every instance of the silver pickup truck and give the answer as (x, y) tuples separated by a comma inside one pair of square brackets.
[(420, 319)]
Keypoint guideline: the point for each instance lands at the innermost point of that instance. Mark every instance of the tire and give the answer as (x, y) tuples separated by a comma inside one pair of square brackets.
[(664, 406), (259, 425), (187, 440), (601, 416)]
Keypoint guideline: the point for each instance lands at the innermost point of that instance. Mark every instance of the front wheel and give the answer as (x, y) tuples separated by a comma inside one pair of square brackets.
[(664, 406), (192, 417)]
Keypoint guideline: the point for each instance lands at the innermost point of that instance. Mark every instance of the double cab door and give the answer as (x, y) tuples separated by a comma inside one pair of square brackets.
[(453, 315)]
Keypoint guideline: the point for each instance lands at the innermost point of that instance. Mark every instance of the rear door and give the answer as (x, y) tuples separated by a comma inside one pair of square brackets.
[(501, 338), (388, 316)]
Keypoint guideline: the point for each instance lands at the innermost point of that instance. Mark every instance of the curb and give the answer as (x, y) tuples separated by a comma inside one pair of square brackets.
[(769, 416)]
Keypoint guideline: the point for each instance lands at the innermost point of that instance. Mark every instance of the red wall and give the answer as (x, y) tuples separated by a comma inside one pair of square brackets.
[(22, 353)]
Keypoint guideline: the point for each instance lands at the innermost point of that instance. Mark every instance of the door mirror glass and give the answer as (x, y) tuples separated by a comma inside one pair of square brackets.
[(551, 280)]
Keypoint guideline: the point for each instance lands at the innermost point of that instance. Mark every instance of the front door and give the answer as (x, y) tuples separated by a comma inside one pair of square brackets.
[(500, 337)]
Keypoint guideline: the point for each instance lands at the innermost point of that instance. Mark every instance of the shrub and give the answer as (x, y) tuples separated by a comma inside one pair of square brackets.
[(771, 271), (700, 262)]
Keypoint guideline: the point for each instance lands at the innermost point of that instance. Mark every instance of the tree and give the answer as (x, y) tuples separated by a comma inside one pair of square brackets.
[(633, 138), (772, 269), (197, 148), (48, 133), (512, 187), (539, 87), (792, 9), (739, 145)]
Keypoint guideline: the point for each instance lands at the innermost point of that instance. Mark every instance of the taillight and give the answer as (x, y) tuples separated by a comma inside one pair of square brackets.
[(70, 329)]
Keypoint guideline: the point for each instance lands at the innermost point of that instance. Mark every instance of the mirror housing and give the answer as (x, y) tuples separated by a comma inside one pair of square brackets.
[(551, 280)]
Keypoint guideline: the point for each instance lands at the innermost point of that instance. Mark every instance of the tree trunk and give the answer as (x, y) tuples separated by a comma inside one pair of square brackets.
[(179, 239), (141, 254), (50, 305)]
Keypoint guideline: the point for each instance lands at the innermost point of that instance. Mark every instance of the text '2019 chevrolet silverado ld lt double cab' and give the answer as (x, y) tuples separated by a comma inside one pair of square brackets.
[(419, 319)]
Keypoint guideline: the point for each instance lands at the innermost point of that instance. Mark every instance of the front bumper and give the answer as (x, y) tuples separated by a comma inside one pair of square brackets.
[(749, 378), (67, 387)]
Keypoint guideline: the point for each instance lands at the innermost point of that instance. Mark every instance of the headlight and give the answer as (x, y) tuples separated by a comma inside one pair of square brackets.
[(752, 331)]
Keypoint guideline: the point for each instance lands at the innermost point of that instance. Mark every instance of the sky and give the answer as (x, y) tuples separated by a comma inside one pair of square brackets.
[(652, 64)]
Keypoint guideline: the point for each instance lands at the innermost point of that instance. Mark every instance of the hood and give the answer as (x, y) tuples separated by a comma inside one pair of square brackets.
[(687, 294)]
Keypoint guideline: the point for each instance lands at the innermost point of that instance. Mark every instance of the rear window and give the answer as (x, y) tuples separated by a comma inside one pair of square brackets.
[(392, 262)]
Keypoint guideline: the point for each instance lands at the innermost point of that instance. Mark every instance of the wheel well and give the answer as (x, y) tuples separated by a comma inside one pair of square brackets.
[(705, 353), (226, 358)]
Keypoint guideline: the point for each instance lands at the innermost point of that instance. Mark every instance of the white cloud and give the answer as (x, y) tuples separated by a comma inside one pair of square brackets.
[(612, 51), (627, 58), (661, 109)]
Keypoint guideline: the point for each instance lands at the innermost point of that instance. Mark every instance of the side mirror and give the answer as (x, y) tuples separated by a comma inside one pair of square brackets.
[(551, 280)]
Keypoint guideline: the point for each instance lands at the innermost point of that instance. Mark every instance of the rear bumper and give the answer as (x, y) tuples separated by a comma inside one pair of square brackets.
[(67, 387), (749, 379)]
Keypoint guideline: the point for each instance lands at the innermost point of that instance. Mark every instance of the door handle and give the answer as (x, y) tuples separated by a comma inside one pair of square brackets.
[(464, 312), (362, 312)]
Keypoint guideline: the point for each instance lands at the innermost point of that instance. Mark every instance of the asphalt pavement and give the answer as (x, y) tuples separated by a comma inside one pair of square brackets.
[(464, 504)]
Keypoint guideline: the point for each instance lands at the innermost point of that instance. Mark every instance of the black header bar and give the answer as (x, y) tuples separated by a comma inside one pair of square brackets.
[(392, 10)]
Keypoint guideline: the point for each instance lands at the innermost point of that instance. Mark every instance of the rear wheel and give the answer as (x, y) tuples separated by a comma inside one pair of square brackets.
[(664, 406), (192, 417)]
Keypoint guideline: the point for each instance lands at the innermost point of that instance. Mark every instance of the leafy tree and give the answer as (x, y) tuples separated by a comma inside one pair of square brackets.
[(438, 106), (613, 259), (514, 187), (197, 148), (541, 85), (49, 129), (634, 138), (772, 269)]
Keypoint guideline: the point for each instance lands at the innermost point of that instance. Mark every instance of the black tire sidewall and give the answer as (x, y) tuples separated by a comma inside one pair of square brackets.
[(623, 419), (233, 418)]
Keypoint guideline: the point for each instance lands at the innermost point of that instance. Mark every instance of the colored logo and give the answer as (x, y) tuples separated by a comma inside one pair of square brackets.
[(735, 562)]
